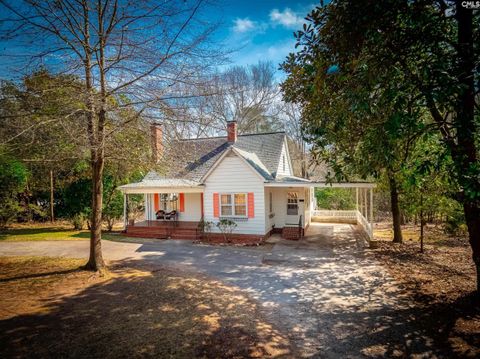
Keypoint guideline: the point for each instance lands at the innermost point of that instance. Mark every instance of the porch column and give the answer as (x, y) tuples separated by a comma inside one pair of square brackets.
[(125, 219)]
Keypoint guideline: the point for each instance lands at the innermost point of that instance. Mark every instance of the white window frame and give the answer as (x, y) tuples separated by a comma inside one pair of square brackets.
[(293, 203), (232, 205)]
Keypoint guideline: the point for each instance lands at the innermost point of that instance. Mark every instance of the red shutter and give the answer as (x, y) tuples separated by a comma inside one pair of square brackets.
[(216, 209), (156, 205), (201, 203), (251, 205), (182, 202)]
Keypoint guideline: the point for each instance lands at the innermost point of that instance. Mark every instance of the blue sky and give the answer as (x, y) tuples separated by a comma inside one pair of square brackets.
[(261, 29), (255, 29)]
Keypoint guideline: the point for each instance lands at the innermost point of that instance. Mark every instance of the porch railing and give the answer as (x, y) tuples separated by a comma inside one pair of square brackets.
[(367, 227), (335, 213)]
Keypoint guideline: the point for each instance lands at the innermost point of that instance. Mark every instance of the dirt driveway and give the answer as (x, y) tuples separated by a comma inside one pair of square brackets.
[(331, 298)]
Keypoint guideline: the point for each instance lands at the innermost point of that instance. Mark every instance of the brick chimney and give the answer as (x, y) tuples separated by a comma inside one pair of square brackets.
[(232, 131), (157, 141)]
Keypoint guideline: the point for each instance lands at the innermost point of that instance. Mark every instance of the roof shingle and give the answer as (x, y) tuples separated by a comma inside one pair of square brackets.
[(191, 159)]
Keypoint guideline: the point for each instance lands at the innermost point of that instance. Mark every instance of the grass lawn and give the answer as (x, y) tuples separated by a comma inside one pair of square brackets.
[(50, 308), (49, 232)]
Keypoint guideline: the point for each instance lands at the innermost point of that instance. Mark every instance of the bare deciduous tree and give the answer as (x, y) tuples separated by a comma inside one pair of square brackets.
[(247, 94), (129, 54)]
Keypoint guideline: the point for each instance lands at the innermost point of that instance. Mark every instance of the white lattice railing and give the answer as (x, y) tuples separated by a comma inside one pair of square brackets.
[(367, 227), (335, 213), (352, 215)]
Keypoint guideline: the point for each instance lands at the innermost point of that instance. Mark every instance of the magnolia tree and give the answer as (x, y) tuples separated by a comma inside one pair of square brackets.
[(372, 77)]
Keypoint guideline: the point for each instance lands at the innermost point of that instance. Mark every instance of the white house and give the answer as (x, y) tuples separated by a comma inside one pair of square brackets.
[(245, 178)]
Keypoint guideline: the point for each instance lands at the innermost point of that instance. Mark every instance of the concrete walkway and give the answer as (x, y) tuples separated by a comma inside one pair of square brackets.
[(323, 291)]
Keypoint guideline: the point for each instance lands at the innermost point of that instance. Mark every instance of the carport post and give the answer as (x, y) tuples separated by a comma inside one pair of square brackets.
[(366, 203), (371, 208), (356, 197)]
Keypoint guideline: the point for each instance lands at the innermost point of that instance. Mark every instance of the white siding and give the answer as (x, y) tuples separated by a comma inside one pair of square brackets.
[(284, 159), (280, 206), (233, 175), (193, 208)]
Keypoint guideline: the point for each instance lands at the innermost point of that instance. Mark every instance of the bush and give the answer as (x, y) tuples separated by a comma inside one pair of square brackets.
[(205, 227), (113, 209), (32, 212), (455, 224), (78, 221), (9, 209), (226, 226), (335, 198)]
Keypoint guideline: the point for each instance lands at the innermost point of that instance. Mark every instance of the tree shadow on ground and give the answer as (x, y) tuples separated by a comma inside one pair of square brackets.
[(334, 300), (145, 312), (423, 331)]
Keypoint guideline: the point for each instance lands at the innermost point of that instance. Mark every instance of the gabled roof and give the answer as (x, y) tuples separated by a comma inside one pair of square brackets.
[(192, 159)]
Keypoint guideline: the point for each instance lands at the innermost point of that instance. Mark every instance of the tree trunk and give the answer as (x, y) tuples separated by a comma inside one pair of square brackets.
[(465, 155), (95, 132), (397, 229), (95, 261), (52, 218), (472, 217), (422, 222)]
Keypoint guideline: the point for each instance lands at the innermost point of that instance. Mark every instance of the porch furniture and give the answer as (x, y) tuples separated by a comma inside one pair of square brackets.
[(160, 214), (171, 215)]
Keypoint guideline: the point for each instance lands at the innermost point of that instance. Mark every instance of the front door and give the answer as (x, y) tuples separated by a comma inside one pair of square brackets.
[(295, 207)]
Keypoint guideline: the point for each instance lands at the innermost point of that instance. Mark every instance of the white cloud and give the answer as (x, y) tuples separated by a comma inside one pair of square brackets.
[(275, 52), (286, 18), (243, 25)]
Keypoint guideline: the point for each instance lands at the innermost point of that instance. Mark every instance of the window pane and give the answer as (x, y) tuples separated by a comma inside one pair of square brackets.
[(241, 210), (226, 199), (226, 211), (240, 198), (292, 195), (292, 209), (292, 203)]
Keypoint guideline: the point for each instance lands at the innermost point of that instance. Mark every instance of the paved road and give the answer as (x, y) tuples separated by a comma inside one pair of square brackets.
[(333, 300)]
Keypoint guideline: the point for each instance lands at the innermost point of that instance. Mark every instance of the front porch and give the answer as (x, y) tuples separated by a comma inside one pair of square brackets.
[(164, 229)]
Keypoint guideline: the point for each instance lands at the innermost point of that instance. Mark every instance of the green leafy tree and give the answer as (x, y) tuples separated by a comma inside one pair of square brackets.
[(13, 177), (428, 49)]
